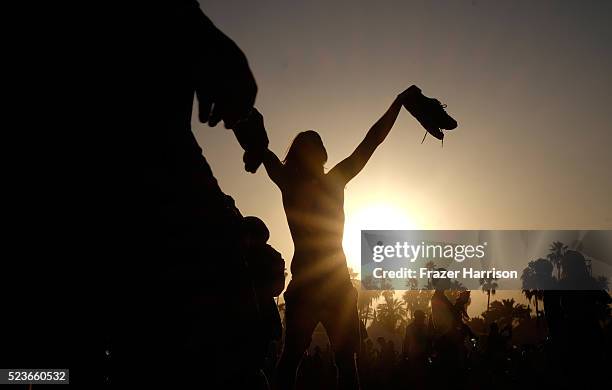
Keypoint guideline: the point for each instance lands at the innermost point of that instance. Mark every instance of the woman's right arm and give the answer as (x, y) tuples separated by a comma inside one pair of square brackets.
[(273, 166)]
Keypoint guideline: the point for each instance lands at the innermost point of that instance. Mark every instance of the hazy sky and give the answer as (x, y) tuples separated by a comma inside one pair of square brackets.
[(529, 82)]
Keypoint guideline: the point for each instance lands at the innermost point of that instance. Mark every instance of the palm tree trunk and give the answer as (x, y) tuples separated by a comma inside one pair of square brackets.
[(488, 299), (538, 331)]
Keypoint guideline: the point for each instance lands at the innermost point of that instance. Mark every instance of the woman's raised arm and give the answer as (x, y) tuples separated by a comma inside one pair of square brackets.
[(349, 167)]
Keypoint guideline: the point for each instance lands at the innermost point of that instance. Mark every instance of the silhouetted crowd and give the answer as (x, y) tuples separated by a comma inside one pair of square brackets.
[(488, 360)]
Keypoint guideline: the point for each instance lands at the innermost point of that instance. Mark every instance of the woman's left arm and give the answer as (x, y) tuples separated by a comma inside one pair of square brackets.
[(353, 164)]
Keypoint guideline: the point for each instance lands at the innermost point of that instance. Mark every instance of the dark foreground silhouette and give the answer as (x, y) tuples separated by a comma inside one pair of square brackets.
[(182, 287)]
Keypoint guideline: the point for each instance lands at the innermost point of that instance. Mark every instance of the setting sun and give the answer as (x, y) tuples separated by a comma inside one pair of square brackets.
[(383, 216)]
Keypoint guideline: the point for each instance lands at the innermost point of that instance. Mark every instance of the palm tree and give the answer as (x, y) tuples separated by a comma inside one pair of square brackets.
[(537, 278), (390, 313), (533, 295), (430, 265), (506, 311), (368, 294), (412, 284), (489, 287), (410, 296), (531, 287), (387, 290), (454, 290), (557, 251), (530, 290), (416, 298)]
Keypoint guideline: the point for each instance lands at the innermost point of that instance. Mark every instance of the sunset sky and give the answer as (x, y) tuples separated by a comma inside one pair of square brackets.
[(529, 83)]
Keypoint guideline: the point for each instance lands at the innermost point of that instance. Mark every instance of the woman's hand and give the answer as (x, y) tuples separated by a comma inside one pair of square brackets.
[(408, 95)]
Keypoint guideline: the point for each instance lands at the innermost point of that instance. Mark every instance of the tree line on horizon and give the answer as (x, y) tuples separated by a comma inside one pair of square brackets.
[(380, 308)]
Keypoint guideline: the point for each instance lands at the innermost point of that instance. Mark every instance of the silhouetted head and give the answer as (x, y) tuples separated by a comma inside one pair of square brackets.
[(419, 317), (464, 296), (255, 230), (441, 284), (306, 153), (574, 266)]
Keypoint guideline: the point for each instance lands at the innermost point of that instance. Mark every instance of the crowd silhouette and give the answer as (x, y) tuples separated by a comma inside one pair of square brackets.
[(197, 300), (505, 348)]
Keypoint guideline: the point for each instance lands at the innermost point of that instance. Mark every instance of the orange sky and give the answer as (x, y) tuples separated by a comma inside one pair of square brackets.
[(529, 83)]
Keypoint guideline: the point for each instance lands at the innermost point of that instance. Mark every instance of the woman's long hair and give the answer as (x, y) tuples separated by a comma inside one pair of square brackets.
[(306, 151)]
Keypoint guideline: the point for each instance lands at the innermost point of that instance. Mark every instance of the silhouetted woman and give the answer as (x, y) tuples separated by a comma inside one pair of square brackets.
[(320, 289)]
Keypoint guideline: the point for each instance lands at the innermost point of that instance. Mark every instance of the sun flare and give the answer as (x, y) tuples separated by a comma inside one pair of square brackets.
[(377, 216)]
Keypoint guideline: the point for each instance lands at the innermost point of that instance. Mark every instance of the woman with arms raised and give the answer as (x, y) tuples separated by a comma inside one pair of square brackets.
[(320, 289)]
